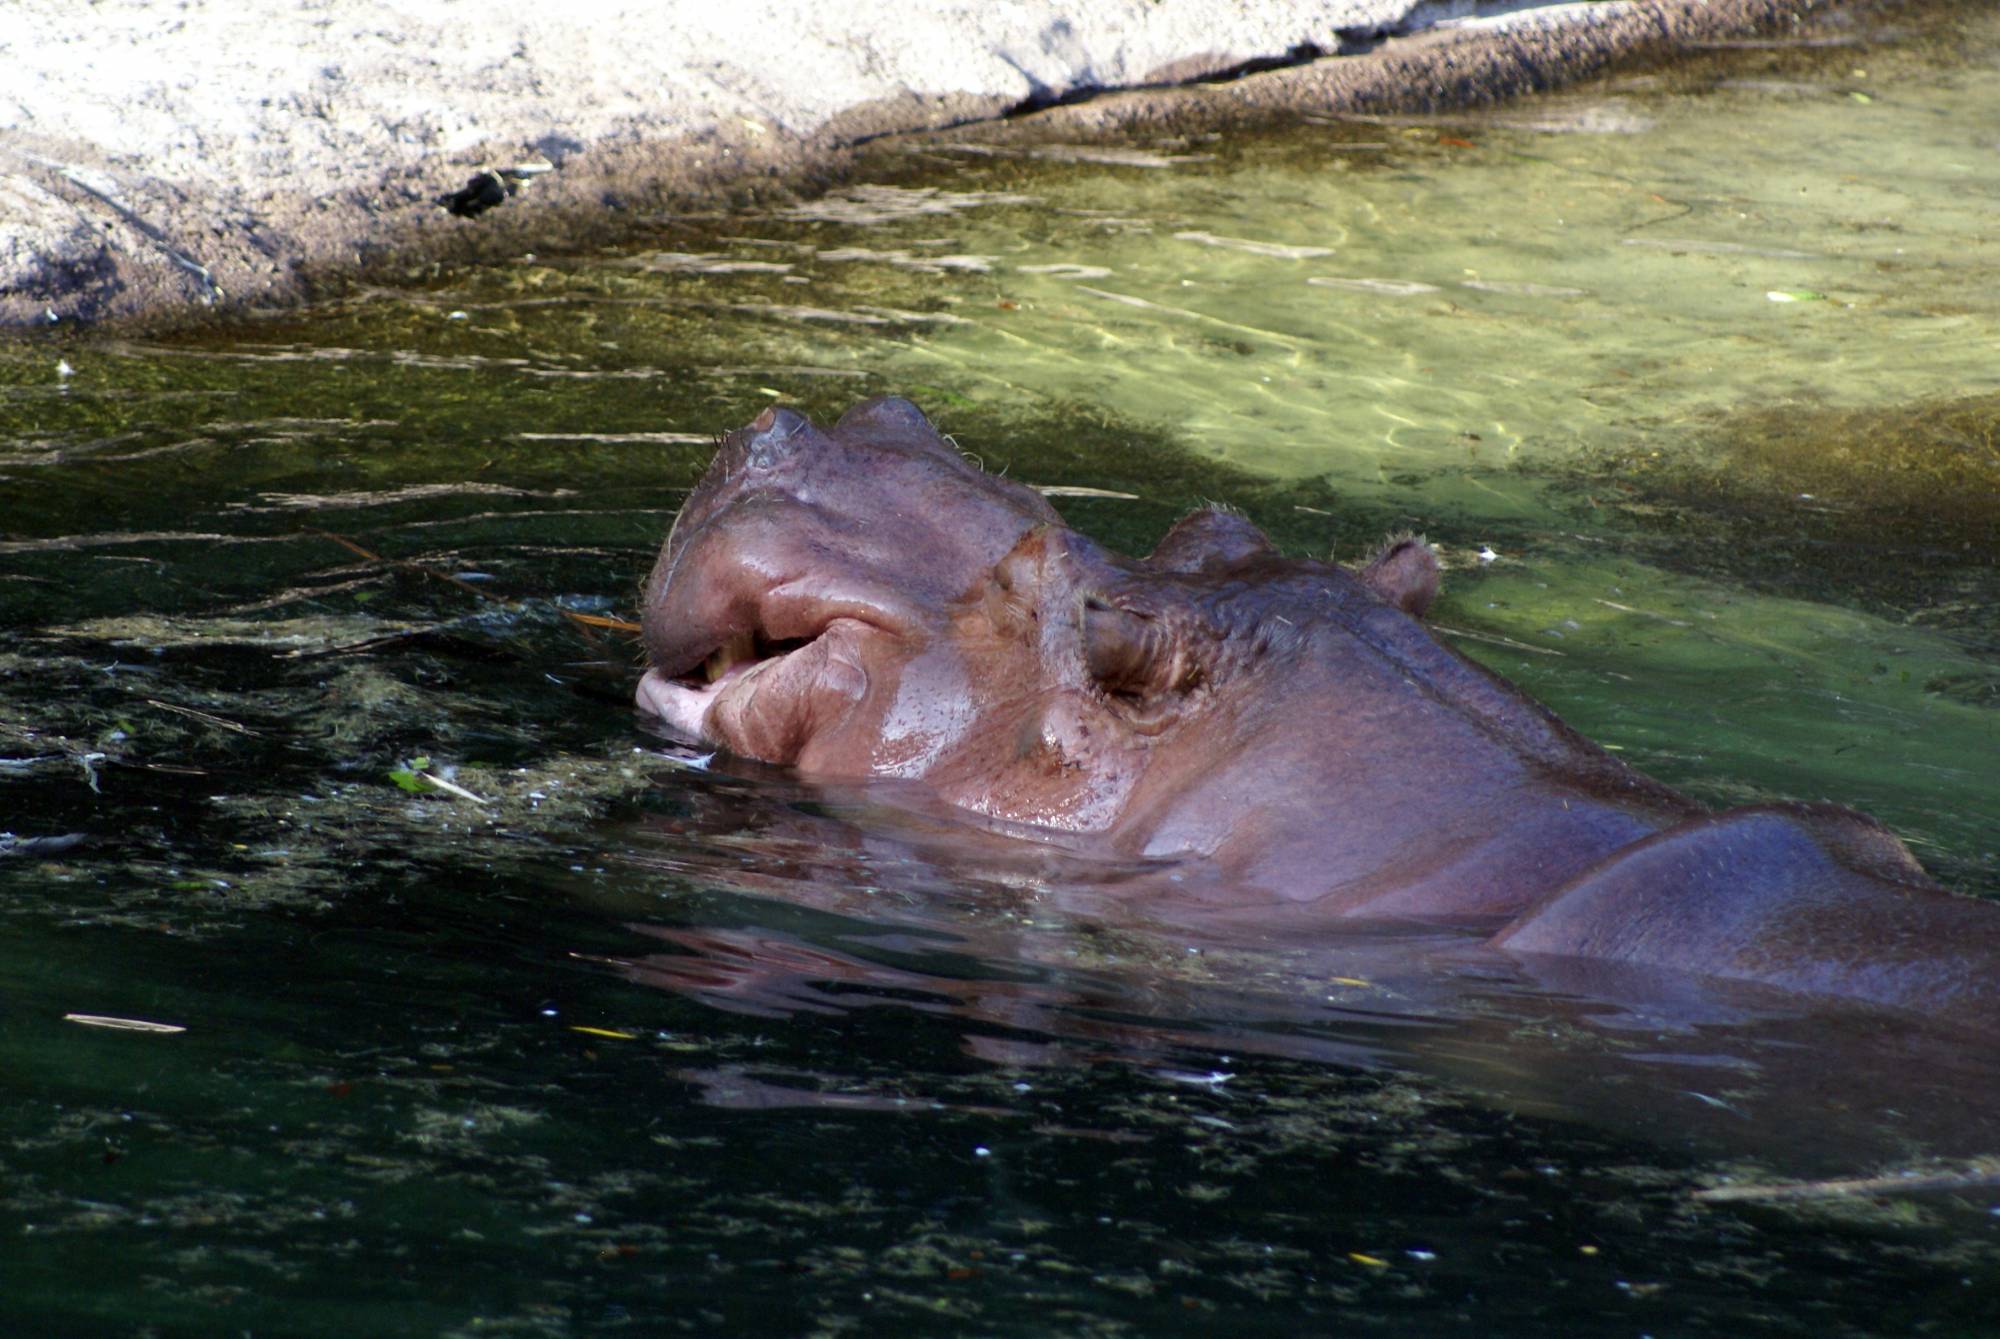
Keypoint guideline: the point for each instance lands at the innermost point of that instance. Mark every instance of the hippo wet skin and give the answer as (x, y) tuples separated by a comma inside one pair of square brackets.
[(1283, 735)]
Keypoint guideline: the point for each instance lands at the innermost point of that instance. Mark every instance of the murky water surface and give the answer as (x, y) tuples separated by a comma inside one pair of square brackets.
[(1695, 378)]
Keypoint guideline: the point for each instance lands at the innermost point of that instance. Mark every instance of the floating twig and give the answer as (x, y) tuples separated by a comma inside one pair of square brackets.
[(1643, 613), (1983, 1174), (122, 1024), (452, 788), (1496, 639), (202, 716), (583, 622), (414, 566), (1079, 490)]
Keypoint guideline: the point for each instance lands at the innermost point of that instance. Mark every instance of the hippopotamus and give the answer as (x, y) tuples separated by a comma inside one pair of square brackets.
[(1265, 739)]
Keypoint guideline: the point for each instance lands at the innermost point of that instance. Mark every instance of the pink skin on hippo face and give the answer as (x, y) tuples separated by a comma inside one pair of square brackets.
[(1282, 734)]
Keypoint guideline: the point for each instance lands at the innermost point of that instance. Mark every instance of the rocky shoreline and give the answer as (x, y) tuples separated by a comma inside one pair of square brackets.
[(160, 164)]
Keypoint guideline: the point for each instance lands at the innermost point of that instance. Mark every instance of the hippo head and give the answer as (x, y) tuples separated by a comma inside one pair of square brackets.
[(807, 570), (864, 602)]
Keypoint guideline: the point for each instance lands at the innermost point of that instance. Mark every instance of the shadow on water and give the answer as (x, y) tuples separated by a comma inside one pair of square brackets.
[(1896, 508)]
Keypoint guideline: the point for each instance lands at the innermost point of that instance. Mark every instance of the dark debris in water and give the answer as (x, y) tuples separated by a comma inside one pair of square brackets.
[(222, 766)]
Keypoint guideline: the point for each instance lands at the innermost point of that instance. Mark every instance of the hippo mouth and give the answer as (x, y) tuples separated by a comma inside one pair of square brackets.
[(684, 700), (784, 690), (744, 653)]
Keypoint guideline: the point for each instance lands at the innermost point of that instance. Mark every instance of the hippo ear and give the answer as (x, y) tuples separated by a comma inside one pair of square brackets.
[(1208, 540), (1405, 573)]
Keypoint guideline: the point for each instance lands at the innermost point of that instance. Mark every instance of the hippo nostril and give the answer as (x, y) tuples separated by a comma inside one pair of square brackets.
[(774, 433)]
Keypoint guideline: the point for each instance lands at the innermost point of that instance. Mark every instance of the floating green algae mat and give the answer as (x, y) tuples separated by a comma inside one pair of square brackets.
[(303, 748)]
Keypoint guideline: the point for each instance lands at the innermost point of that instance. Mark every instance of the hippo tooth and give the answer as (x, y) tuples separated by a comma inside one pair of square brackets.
[(741, 647)]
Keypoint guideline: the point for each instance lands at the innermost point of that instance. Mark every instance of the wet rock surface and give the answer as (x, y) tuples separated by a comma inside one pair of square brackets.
[(156, 163)]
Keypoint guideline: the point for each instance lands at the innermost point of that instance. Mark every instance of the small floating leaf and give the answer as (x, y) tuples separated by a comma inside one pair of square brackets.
[(612, 1033), (1860, 97), (407, 776), (1795, 295), (1372, 1261)]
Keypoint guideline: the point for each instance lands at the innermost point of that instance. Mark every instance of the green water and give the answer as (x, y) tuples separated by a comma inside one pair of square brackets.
[(625, 1045)]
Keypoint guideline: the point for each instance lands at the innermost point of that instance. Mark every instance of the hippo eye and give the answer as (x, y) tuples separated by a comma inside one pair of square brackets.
[(1138, 664), (1114, 645), (1130, 653)]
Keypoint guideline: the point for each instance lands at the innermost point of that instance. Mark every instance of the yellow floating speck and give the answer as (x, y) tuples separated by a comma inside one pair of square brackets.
[(605, 1032), (1350, 981), (1372, 1261)]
